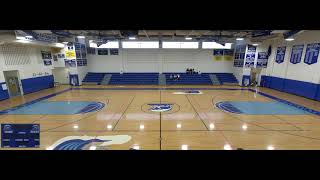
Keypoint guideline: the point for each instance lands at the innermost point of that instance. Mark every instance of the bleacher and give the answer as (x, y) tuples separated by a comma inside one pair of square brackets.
[(153, 78), (94, 78), (226, 78), (134, 79), (189, 79)]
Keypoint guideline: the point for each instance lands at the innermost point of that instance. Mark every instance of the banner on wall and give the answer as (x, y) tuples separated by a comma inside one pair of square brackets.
[(217, 54), (262, 60), (250, 56), (281, 51), (239, 55), (312, 53), (114, 52), (296, 54), (46, 57), (228, 54), (70, 51), (70, 63), (103, 51)]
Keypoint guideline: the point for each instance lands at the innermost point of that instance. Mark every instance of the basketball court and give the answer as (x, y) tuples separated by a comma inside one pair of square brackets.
[(254, 98)]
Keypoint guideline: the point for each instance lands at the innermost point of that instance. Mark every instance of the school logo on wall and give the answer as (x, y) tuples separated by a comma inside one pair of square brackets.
[(163, 107), (85, 142)]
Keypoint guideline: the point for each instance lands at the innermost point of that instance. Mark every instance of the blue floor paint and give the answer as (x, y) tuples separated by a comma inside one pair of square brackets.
[(56, 108), (260, 108)]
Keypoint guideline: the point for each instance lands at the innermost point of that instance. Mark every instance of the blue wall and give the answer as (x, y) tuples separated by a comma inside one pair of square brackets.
[(300, 88), (36, 84), (3, 93)]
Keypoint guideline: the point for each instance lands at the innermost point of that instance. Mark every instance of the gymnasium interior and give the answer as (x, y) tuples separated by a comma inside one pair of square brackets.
[(160, 89)]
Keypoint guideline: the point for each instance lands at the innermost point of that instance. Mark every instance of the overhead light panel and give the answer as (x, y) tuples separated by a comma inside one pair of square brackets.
[(289, 39), (188, 38), (240, 39), (132, 38)]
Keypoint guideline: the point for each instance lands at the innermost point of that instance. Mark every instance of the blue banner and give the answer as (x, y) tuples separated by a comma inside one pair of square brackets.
[(114, 52), (262, 60), (296, 54), (46, 57), (281, 51), (218, 52), (250, 56), (20, 135), (103, 51), (312, 53)]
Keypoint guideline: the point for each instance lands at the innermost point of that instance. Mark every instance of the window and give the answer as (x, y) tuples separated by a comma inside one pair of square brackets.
[(110, 44), (180, 45), (214, 45), (140, 44)]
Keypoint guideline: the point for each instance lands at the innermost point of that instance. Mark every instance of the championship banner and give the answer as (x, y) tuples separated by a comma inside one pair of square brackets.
[(228, 54), (312, 53), (217, 54), (250, 56), (262, 60), (281, 52), (296, 54)]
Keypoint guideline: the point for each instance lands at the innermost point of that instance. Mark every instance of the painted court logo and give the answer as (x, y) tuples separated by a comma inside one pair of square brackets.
[(160, 107), (85, 142)]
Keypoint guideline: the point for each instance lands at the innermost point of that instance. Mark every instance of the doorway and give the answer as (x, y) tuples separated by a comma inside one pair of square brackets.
[(13, 82)]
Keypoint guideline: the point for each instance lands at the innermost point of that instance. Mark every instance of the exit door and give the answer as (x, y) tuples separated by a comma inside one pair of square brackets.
[(13, 86), (13, 82)]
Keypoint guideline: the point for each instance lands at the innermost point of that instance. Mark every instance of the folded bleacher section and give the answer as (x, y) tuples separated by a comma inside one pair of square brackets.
[(226, 78), (153, 78), (93, 78), (134, 79)]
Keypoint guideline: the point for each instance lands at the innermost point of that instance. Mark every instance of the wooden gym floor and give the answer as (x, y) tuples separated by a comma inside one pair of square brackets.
[(193, 123)]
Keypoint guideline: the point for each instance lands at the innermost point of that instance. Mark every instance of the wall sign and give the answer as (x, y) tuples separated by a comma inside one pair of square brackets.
[(46, 57), (250, 56), (296, 54), (103, 51), (70, 63), (20, 135), (281, 51), (217, 54), (114, 52), (312, 53), (228, 54)]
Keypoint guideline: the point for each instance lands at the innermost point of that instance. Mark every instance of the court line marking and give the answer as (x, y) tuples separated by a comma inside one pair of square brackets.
[(123, 113)]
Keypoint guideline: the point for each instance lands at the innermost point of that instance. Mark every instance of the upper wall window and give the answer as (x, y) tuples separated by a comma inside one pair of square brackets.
[(214, 45), (140, 44), (180, 45), (110, 44)]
